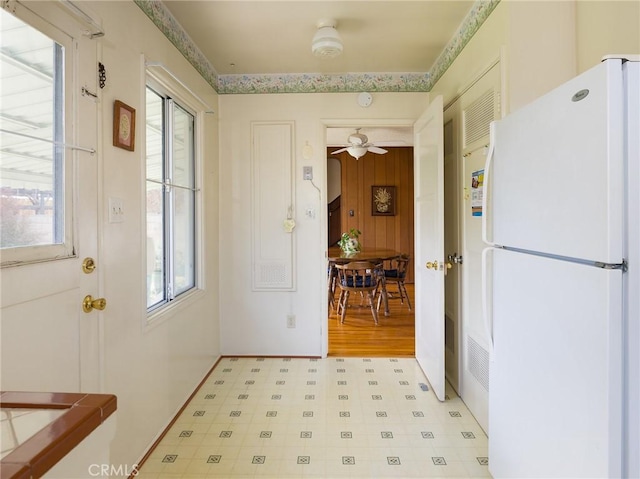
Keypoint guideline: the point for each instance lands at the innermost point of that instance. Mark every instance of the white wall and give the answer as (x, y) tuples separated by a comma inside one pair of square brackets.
[(151, 369), (537, 46), (606, 27), (541, 49), (254, 323), (483, 49)]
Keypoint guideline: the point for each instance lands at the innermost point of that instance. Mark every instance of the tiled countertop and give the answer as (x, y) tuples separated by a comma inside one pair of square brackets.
[(77, 416)]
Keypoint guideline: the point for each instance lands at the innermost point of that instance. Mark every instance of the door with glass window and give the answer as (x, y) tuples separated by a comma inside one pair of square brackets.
[(50, 316)]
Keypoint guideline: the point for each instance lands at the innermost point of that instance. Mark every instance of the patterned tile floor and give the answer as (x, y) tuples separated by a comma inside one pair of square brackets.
[(320, 418)]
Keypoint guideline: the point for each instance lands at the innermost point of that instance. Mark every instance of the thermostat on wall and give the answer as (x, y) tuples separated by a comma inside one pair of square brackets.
[(365, 99)]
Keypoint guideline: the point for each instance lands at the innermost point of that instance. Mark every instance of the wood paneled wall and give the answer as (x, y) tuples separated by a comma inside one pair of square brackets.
[(394, 168)]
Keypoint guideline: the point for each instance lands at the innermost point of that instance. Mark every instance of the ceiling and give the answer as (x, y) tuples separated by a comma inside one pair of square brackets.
[(270, 37), (264, 46), (254, 39)]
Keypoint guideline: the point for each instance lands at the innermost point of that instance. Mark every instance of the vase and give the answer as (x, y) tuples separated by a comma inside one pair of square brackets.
[(351, 246)]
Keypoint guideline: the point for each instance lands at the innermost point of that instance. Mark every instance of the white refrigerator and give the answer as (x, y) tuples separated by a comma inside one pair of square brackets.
[(561, 214)]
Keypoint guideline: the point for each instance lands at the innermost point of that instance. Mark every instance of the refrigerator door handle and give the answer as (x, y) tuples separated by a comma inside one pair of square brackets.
[(488, 324), (624, 266), (485, 196)]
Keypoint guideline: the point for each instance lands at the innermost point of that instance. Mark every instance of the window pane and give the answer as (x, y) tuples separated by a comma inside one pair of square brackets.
[(154, 136), (182, 148), (184, 240), (31, 103), (170, 199), (156, 291)]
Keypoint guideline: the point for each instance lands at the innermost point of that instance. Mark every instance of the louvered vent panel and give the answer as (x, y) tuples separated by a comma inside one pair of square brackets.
[(478, 362), (477, 118)]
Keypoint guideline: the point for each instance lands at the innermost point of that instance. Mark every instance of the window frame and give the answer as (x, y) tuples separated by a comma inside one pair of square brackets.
[(164, 84)]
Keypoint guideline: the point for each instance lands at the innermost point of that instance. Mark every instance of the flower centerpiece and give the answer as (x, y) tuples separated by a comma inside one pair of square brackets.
[(349, 241)]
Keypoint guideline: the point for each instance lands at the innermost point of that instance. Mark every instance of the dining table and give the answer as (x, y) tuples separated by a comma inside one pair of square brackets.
[(335, 255)]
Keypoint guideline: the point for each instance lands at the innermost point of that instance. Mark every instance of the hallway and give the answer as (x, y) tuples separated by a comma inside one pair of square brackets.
[(319, 418)]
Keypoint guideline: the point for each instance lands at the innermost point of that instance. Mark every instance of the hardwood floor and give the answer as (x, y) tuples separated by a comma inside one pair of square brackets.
[(394, 336)]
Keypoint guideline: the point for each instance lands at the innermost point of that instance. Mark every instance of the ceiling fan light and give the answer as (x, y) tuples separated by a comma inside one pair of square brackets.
[(357, 151), (326, 42)]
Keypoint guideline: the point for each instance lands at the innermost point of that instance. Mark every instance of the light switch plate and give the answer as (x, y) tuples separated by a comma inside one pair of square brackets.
[(116, 210)]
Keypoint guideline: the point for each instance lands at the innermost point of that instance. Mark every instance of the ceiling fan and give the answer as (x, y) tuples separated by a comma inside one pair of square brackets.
[(359, 145)]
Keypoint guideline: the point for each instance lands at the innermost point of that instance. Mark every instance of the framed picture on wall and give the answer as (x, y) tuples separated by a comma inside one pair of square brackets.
[(383, 200), (124, 126)]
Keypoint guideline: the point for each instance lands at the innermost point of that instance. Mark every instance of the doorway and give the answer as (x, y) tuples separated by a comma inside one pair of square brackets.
[(349, 205), (346, 212)]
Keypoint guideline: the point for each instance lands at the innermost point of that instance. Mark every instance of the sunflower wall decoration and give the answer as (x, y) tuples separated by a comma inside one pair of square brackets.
[(383, 200)]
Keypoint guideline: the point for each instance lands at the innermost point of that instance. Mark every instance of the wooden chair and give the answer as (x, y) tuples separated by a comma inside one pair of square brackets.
[(332, 277), (358, 277), (397, 275)]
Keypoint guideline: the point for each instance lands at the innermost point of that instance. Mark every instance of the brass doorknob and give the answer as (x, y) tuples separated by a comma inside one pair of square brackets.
[(88, 303), (448, 265), (432, 265)]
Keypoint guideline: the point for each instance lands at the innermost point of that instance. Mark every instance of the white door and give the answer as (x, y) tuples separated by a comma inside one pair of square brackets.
[(429, 244), (48, 342)]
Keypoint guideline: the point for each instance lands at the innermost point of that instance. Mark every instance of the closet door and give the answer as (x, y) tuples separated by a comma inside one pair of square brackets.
[(272, 200)]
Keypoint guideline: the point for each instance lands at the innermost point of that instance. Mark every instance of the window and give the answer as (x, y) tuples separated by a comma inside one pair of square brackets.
[(34, 223), (171, 199)]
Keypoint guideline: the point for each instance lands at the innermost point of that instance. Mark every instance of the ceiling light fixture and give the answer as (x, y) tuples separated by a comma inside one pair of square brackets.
[(357, 151), (326, 42)]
